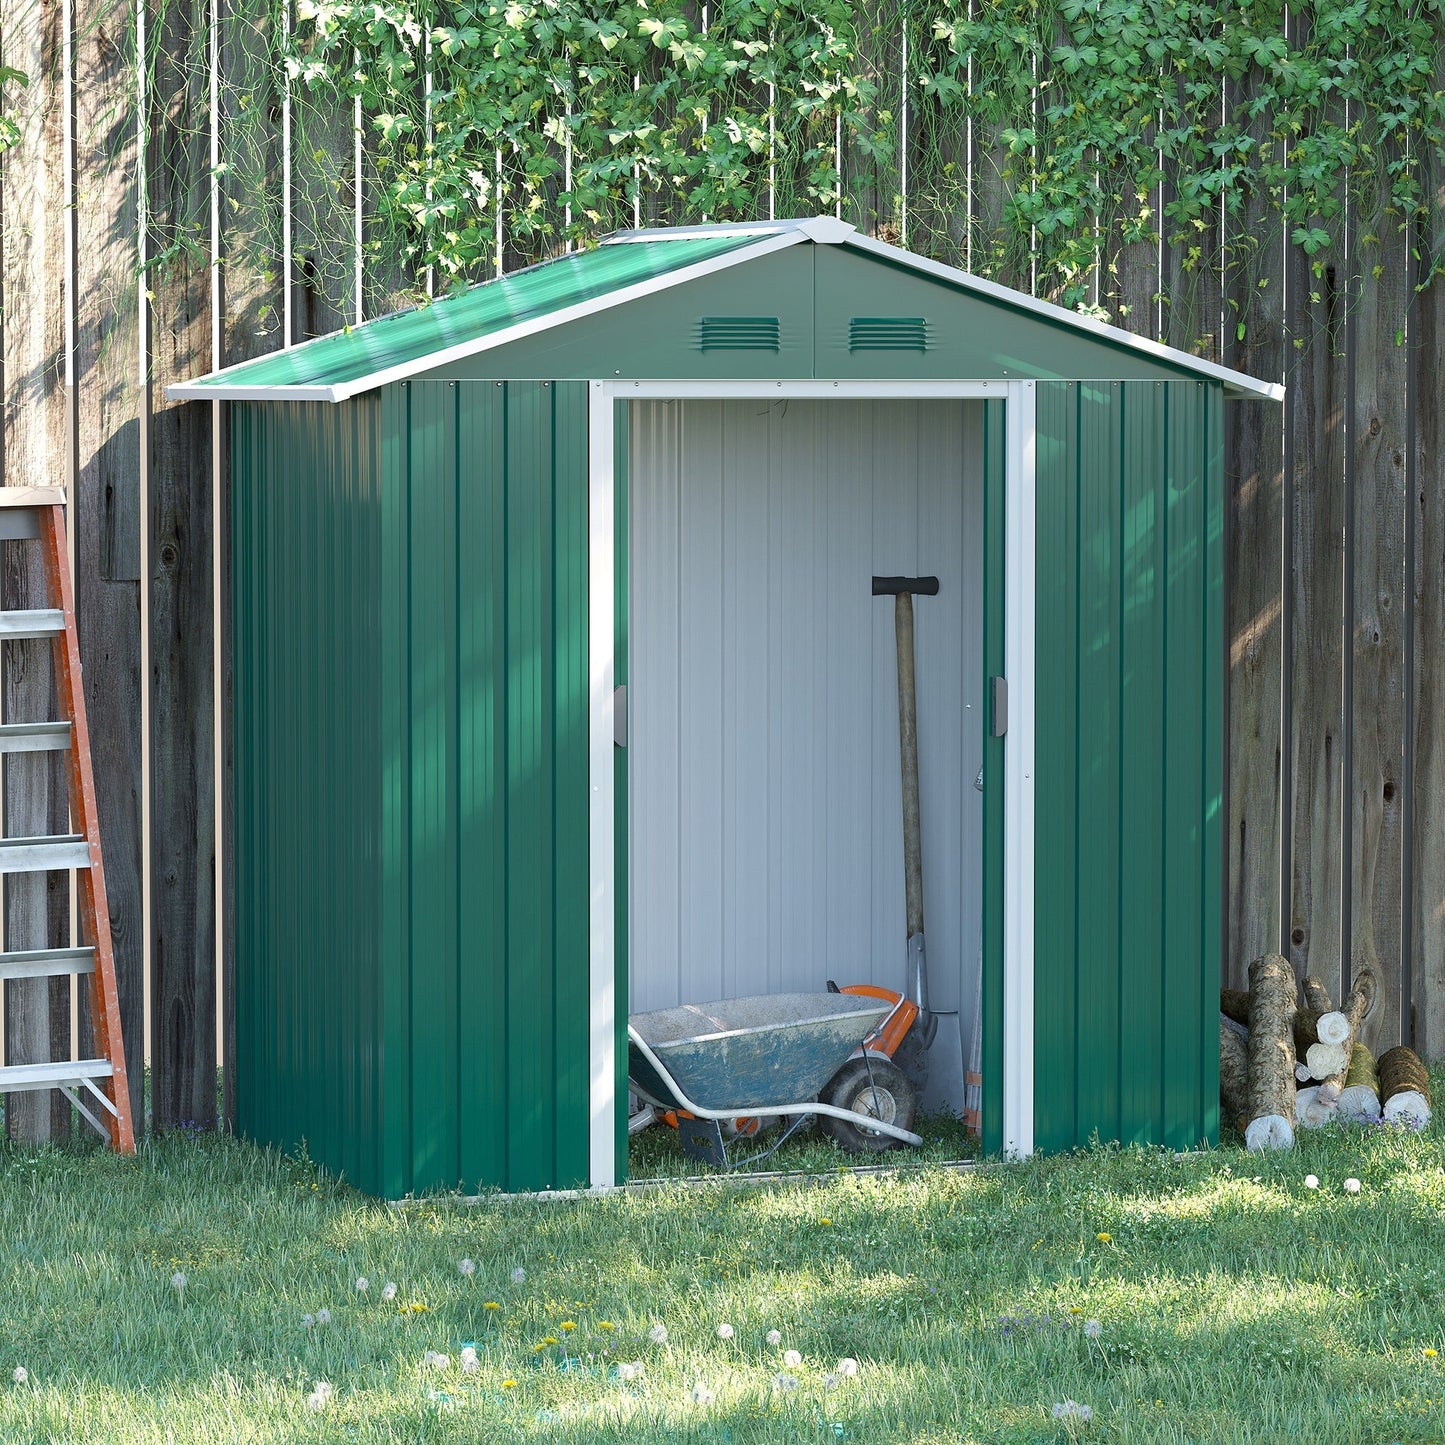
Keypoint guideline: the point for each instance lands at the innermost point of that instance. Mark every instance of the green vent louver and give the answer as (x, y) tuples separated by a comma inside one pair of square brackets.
[(739, 333), (887, 333)]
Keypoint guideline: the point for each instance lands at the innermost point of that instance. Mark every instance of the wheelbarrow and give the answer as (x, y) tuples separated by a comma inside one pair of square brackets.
[(728, 1069)]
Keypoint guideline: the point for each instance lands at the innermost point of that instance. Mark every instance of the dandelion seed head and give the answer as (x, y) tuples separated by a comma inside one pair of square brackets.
[(308, 1320), (830, 1380), (436, 1360), (323, 1317), (724, 1332), (792, 1357), (658, 1334), (469, 1355), (362, 1284), (1093, 1329), (701, 1395), (1352, 1186), (1072, 1410), (628, 1370), (519, 1275), (847, 1367), (467, 1268), (1312, 1181), (774, 1338), (178, 1281), (20, 1375), (388, 1292), (785, 1383)]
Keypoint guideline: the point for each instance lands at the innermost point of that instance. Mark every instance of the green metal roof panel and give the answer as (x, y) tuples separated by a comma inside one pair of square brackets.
[(367, 352)]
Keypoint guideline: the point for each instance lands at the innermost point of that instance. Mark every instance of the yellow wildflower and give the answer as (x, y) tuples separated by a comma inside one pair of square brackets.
[(509, 1384), (568, 1325), (1430, 1353), (1104, 1238), (605, 1325), (491, 1304), (825, 1221)]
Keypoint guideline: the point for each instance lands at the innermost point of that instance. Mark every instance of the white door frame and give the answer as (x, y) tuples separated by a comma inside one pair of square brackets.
[(1019, 606)]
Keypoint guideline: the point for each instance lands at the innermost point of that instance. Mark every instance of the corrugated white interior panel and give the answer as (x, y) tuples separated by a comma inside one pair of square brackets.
[(765, 813)]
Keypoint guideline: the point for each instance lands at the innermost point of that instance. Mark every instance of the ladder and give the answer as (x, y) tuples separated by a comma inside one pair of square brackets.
[(97, 1087)]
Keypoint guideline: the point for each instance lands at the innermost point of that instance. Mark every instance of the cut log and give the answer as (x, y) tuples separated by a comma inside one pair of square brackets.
[(1409, 1106), (1310, 1112), (1333, 1028), (1400, 1072), (1271, 1053), (1233, 1072), (1269, 1131), (1359, 1100), (1356, 1011), (1324, 1060), (1316, 995), (1234, 1004)]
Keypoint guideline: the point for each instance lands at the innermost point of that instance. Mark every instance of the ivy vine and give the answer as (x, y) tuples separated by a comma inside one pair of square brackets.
[(1062, 145)]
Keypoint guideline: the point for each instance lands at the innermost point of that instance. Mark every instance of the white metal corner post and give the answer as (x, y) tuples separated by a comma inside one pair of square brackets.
[(601, 642), (1020, 601)]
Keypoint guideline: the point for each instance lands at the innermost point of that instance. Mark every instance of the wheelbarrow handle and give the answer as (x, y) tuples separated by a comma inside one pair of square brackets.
[(790, 1110)]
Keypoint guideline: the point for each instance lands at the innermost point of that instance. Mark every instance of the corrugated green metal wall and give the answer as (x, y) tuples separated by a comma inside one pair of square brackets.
[(1129, 755), (412, 783), (306, 539)]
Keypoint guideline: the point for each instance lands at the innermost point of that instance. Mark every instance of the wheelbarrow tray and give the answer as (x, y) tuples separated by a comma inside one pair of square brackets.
[(750, 1053)]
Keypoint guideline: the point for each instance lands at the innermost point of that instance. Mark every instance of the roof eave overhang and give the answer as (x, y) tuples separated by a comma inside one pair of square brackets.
[(214, 388), (1238, 386)]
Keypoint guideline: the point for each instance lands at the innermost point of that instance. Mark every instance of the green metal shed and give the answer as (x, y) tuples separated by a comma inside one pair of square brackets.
[(454, 528)]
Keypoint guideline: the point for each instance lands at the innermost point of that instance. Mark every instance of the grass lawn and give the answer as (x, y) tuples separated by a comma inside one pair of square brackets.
[(1233, 1303)]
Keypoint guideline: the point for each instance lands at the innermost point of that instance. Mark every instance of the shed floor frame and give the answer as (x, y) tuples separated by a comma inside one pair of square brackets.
[(1013, 1073)]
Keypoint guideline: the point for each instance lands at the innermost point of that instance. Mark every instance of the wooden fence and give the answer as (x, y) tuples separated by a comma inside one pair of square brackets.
[(1336, 547)]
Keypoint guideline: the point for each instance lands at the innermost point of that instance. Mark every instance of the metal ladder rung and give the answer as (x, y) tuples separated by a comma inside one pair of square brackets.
[(37, 622), (47, 963), (40, 855), (46, 737), (24, 1078)]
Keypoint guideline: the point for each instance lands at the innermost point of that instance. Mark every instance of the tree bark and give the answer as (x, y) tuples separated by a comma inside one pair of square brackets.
[(1271, 1053)]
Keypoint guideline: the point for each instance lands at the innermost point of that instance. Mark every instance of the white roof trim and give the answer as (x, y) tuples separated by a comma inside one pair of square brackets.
[(771, 236), (1240, 381), (774, 240)]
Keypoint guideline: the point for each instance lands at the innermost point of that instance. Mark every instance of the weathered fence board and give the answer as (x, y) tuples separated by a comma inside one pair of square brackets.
[(1378, 639), (105, 509), (178, 575)]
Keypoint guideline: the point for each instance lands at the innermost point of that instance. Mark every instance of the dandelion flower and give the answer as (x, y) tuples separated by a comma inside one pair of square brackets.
[(491, 1304), (519, 1275), (701, 1395), (825, 1220), (658, 1334), (1430, 1353), (467, 1268), (1093, 1329), (388, 1292), (1103, 1238), (1352, 1186), (724, 1332), (307, 1321), (362, 1284), (786, 1383), (1072, 1410), (509, 1384), (568, 1325), (792, 1358), (847, 1367), (21, 1375), (437, 1361), (774, 1338), (1312, 1181), (605, 1325), (323, 1317)]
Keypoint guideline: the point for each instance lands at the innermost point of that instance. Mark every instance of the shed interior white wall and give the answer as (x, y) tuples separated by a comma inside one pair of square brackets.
[(764, 809)]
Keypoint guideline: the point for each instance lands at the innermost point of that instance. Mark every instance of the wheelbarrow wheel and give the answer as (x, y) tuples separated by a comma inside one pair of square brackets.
[(870, 1088)]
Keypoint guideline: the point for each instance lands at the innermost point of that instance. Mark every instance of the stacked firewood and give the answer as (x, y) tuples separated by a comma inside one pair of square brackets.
[(1289, 1059)]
